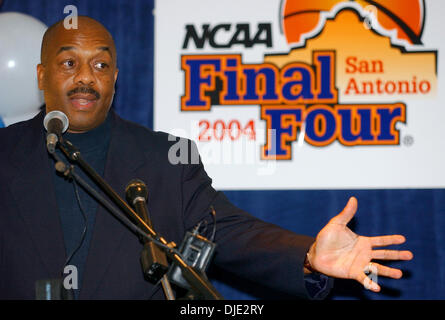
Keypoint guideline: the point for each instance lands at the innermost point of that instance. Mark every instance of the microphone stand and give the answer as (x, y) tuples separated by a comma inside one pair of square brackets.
[(153, 259), (197, 280)]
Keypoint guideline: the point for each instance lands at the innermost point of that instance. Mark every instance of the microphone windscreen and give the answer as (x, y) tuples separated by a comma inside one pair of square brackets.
[(56, 115), (55, 125), (136, 188)]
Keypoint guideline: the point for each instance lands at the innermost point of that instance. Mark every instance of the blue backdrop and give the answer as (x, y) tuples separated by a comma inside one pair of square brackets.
[(417, 214)]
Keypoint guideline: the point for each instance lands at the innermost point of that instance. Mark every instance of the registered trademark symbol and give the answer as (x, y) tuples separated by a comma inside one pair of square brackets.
[(408, 140)]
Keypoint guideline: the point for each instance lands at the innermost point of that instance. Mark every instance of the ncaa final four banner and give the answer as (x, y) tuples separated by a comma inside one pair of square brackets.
[(305, 94)]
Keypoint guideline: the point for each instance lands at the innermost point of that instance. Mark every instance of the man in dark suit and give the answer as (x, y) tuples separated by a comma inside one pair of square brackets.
[(46, 224)]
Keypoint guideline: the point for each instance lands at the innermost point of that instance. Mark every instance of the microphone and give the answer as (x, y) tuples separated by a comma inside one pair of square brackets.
[(55, 123), (153, 259), (137, 195), (196, 249)]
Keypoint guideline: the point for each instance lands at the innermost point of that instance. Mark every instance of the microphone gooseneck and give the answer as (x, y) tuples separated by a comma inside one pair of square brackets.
[(55, 123)]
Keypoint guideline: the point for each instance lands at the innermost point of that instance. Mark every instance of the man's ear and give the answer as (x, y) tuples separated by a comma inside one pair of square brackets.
[(115, 75), (40, 75)]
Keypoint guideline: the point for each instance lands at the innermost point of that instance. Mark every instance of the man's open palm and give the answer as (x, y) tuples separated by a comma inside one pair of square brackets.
[(338, 252)]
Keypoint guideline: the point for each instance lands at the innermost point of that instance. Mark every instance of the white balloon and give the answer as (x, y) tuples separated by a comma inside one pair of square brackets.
[(20, 42)]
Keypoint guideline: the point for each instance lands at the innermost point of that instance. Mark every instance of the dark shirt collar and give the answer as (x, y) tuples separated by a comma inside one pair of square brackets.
[(94, 139)]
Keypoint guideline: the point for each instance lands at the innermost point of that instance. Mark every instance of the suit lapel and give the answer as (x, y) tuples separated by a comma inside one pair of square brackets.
[(123, 159), (33, 191)]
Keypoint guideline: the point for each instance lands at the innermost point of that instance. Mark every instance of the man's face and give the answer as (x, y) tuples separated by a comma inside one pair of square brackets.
[(78, 75)]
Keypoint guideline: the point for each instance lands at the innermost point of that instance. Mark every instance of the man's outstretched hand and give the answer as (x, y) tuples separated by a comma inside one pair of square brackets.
[(338, 252)]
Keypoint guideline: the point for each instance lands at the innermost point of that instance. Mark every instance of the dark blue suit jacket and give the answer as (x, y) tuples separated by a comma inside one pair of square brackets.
[(31, 239)]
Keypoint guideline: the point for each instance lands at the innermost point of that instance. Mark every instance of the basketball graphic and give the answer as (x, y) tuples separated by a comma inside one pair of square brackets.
[(405, 17)]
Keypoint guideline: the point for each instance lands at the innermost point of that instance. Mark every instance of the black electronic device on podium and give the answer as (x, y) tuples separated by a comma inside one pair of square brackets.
[(156, 248)]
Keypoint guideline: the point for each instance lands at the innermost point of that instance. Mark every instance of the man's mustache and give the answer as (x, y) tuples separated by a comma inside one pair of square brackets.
[(86, 90)]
